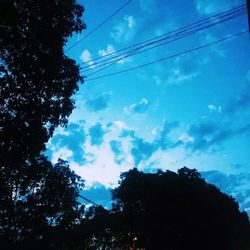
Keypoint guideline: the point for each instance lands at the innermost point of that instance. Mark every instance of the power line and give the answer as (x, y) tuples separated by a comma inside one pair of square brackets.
[(182, 29), (100, 25), (109, 62), (169, 57), (88, 200), (139, 50)]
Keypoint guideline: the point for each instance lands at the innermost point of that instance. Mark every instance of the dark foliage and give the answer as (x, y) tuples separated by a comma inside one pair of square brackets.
[(170, 210), (39, 200), (37, 81)]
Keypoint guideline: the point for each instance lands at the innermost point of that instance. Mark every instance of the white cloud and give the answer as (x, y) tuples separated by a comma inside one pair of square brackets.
[(120, 125), (176, 76), (87, 58), (183, 68), (103, 52), (124, 31), (214, 108), (103, 168), (63, 153), (110, 50), (186, 138), (207, 7), (103, 164), (140, 108), (131, 21)]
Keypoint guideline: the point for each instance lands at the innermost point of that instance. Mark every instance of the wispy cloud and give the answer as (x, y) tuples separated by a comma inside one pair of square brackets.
[(87, 58), (214, 108), (101, 166), (184, 69), (124, 31), (207, 7), (111, 50), (140, 107)]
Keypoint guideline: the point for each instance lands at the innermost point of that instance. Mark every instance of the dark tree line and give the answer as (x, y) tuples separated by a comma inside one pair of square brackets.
[(166, 210), (39, 206), (37, 81)]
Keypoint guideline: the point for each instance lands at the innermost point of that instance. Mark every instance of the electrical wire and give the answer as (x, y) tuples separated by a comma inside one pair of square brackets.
[(139, 50), (99, 25), (168, 57), (179, 31), (88, 200)]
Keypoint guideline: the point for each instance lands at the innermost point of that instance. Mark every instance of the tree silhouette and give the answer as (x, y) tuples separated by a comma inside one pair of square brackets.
[(169, 210), (37, 81)]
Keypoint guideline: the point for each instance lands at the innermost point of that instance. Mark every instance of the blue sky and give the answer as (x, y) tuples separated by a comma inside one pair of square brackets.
[(192, 110)]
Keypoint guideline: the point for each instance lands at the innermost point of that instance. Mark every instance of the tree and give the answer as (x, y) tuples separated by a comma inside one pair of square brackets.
[(176, 211), (37, 81), (43, 201)]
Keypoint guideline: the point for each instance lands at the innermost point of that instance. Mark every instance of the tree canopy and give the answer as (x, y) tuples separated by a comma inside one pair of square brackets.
[(169, 210), (37, 81)]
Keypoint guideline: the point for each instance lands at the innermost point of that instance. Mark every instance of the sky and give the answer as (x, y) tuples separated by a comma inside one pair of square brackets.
[(191, 109)]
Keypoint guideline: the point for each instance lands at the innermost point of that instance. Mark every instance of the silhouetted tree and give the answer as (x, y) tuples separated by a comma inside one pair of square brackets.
[(169, 210), (37, 81)]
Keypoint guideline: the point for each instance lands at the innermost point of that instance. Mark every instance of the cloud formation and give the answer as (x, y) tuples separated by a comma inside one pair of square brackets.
[(140, 107), (110, 50), (87, 58), (116, 147), (99, 103), (67, 143), (124, 31)]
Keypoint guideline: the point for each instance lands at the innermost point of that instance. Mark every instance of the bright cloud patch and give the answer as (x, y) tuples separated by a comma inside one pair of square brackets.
[(67, 143), (140, 108), (62, 153), (103, 167), (214, 108), (124, 31), (110, 50), (87, 58)]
